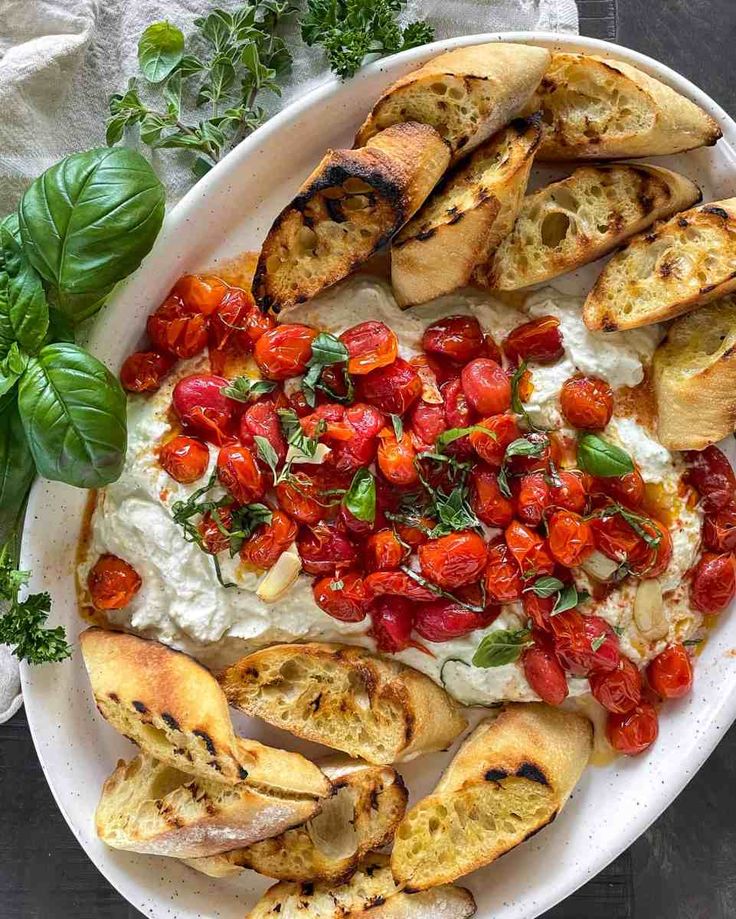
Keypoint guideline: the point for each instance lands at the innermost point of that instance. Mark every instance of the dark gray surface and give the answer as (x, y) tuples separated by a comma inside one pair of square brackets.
[(683, 868)]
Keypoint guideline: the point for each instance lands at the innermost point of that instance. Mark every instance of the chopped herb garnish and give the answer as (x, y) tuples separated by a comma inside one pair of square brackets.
[(245, 389), (500, 647), (598, 641), (327, 350), (545, 587), (398, 426), (439, 592)]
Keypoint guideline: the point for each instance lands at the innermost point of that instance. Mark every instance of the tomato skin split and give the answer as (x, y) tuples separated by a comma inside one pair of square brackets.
[(184, 458), (370, 345), (453, 560), (112, 582), (284, 351), (345, 600), (144, 371), (618, 690), (264, 547)]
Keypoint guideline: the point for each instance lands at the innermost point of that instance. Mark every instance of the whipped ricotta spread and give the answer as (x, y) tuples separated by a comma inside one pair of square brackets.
[(182, 603)]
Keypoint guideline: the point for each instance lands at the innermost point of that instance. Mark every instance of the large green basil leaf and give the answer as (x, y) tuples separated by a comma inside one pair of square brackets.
[(12, 367), (73, 413), (24, 314), (87, 223), (17, 468), (160, 49)]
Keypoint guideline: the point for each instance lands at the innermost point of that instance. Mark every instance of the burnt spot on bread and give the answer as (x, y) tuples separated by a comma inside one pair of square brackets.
[(334, 207), (378, 900), (242, 773), (495, 775), (207, 740), (424, 235), (454, 216), (114, 697), (316, 702), (682, 222), (170, 721), (308, 889), (532, 772), (716, 211), (608, 324), (139, 707), (374, 796)]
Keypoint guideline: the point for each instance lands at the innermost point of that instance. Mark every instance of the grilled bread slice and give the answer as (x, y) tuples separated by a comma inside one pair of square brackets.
[(599, 108), (585, 216), (346, 698), (350, 206), (466, 95), (677, 266), (465, 218), (694, 372), (370, 894), (509, 779), (368, 804), (149, 807)]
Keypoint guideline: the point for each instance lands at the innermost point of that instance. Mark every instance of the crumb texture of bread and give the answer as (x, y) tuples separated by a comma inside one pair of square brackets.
[(465, 218), (510, 778), (148, 807), (694, 371), (583, 217), (351, 205), (678, 265), (368, 804), (370, 894), (345, 698), (599, 108), (467, 94)]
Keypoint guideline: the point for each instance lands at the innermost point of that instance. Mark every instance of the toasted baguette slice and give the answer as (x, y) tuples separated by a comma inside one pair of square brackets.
[(509, 779), (466, 95), (465, 218), (280, 771), (345, 698), (350, 206), (368, 804), (370, 894), (599, 108), (677, 266), (149, 807), (585, 216), (694, 372)]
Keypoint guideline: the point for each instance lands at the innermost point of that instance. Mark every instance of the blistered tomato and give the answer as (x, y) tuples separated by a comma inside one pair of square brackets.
[(177, 329), (538, 609), (453, 560), (200, 293), (239, 473), (569, 491), (544, 674), (394, 388), (397, 583), (264, 547), (719, 530), (354, 442), (396, 458), (491, 447), (459, 338), (502, 578), (392, 620), (214, 530), (629, 489), (569, 538), (587, 402), (299, 496), (670, 674), (617, 690), (458, 412), (710, 473), (584, 644), (486, 499), (323, 549), (529, 549), (486, 386), (444, 620), (713, 583), (533, 498), (284, 351), (635, 731), (344, 599), (383, 551), (370, 345), (262, 420), (539, 340), (112, 582), (144, 371), (427, 421), (202, 407), (185, 458)]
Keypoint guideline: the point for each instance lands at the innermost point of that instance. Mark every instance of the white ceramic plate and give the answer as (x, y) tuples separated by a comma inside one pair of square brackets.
[(227, 212)]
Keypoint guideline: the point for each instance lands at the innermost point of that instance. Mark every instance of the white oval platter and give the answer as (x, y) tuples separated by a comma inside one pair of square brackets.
[(226, 213)]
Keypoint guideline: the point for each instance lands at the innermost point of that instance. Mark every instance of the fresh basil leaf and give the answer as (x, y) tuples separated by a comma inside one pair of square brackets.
[(453, 512), (502, 646), (328, 349), (360, 498), (545, 587), (453, 434), (60, 327), (24, 313), (73, 413), (523, 447), (601, 458), (503, 482), (309, 384), (12, 367), (598, 641), (160, 49), (87, 223), (637, 522), (267, 454), (243, 389), (569, 597), (17, 469), (398, 426)]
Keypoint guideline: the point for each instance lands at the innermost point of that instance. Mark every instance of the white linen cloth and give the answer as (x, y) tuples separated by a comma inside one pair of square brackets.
[(61, 59)]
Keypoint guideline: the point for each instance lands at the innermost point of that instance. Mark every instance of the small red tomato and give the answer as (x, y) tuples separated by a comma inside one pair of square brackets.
[(486, 499), (719, 530), (617, 539), (354, 525), (713, 584), (634, 731), (112, 582), (344, 599), (587, 402), (262, 420), (628, 489), (323, 549), (427, 421), (328, 419), (355, 442), (393, 389), (214, 529), (502, 579), (491, 447), (284, 351), (444, 620), (144, 371), (617, 690), (539, 340), (486, 386), (263, 548), (370, 345), (176, 329), (570, 538), (538, 459), (200, 293), (651, 560), (711, 474), (297, 400), (538, 609), (529, 549), (383, 551), (670, 674), (533, 498), (239, 474), (570, 492), (415, 536), (458, 412), (236, 326), (184, 458), (584, 643), (459, 338), (453, 560), (202, 408), (392, 620), (396, 458), (544, 674), (299, 497), (396, 583)]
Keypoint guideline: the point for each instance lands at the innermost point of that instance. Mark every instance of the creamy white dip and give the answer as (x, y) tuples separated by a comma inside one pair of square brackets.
[(181, 601)]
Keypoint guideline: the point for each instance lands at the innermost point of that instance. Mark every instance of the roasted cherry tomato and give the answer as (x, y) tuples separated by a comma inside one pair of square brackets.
[(670, 674), (569, 492), (458, 412), (453, 560), (486, 386), (710, 473), (426, 422), (200, 293), (396, 458), (202, 408), (327, 418), (539, 340), (587, 402), (502, 579), (459, 338), (324, 549), (569, 538), (486, 499), (444, 620), (719, 530), (430, 382), (415, 535), (184, 458), (394, 388), (238, 473), (544, 674), (370, 345), (344, 599), (177, 329), (635, 731), (112, 582), (264, 547), (354, 442), (537, 459), (262, 420), (533, 498), (628, 489), (284, 351), (397, 583), (713, 583), (538, 609), (214, 529), (236, 326), (144, 371), (620, 541), (492, 447), (651, 559), (617, 690), (584, 644), (529, 549), (383, 551), (299, 496), (392, 620)]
